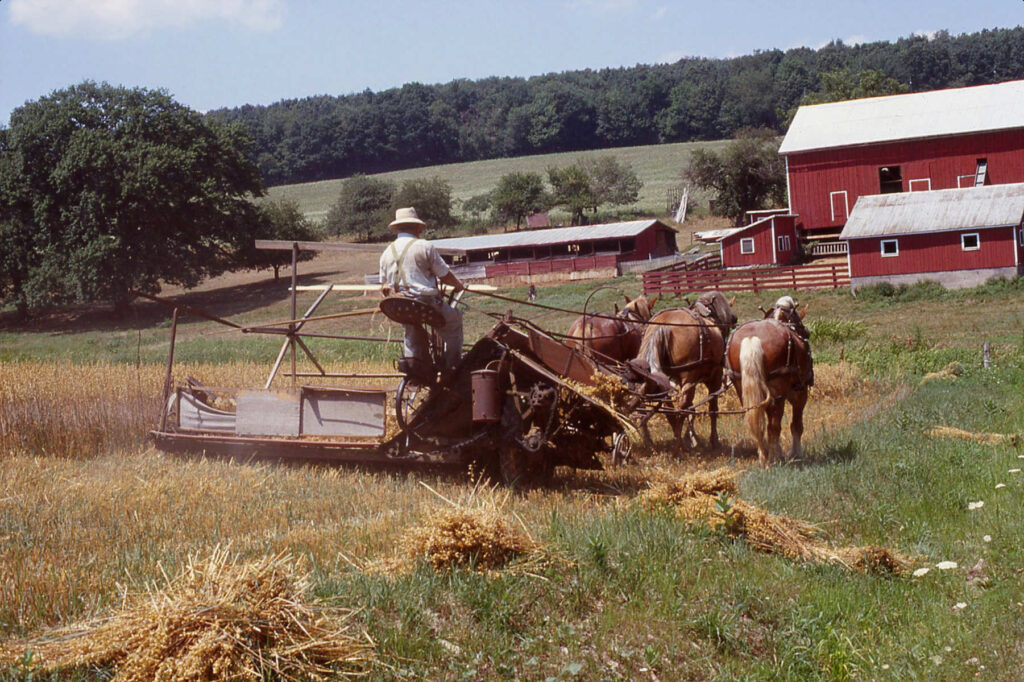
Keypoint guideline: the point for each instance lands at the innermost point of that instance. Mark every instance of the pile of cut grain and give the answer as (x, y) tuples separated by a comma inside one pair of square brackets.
[(479, 533), (983, 438), (950, 371), (217, 620), (702, 497)]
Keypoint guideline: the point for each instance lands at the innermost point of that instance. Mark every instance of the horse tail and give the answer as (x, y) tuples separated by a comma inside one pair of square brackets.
[(755, 386), (654, 346)]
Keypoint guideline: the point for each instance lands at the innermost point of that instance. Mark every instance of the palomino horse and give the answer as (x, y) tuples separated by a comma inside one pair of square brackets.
[(684, 347), (613, 338), (770, 363)]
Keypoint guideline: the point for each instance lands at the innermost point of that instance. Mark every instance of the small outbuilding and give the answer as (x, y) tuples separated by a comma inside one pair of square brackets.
[(769, 241), (956, 237)]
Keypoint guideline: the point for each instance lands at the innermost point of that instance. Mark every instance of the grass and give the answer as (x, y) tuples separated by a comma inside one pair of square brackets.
[(625, 590), (659, 167)]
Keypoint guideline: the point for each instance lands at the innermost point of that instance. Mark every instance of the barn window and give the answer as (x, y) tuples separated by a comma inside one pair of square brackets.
[(784, 244), (747, 245), (970, 241), (890, 180), (1022, 236), (890, 247)]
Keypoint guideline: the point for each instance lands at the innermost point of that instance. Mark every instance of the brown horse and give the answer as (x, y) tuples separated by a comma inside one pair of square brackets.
[(770, 363), (684, 347), (613, 338)]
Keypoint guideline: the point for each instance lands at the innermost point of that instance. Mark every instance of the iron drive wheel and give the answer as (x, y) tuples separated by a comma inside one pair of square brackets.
[(409, 397), (622, 449)]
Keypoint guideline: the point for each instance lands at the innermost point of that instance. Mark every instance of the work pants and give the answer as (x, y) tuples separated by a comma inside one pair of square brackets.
[(417, 342)]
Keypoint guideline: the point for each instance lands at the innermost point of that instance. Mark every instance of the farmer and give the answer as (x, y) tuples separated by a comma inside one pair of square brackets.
[(412, 267)]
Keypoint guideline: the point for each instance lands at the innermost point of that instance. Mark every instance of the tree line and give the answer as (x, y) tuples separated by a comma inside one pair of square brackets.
[(317, 138)]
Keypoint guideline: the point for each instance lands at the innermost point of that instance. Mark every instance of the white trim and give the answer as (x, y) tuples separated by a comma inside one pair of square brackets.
[(775, 253), (846, 203), (960, 178), (789, 190), (784, 242), (927, 181), (881, 247), (752, 247), (849, 263), (964, 247)]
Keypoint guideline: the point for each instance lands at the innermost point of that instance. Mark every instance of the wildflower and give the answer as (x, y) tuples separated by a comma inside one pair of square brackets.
[(1013, 471), (959, 606), (975, 505), (921, 571), (945, 565), (987, 538)]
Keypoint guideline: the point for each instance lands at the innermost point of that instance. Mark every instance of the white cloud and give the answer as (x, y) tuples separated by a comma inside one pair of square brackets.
[(119, 19)]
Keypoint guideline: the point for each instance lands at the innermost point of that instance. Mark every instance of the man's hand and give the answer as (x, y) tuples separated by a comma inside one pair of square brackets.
[(451, 280)]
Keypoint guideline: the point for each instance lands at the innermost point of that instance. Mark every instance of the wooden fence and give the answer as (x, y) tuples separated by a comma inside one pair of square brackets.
[(678, 282)]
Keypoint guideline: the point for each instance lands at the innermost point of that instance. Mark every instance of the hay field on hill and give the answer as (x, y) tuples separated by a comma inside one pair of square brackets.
[(659, 167)]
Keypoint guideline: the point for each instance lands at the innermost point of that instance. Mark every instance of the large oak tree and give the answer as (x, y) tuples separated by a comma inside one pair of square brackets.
[(108, 189)]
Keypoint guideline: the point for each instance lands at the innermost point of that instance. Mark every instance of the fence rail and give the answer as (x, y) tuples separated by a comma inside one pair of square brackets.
[(678, 282)]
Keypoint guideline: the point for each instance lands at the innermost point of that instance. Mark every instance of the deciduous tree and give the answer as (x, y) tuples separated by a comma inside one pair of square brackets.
[(519, 195), (124, 189), (363, 208), (747, 175)]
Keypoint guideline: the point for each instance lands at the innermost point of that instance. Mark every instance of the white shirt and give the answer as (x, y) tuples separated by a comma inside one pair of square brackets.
[(422, 266)]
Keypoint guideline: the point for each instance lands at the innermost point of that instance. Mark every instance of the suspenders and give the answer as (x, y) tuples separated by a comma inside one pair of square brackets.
[(399, 258)]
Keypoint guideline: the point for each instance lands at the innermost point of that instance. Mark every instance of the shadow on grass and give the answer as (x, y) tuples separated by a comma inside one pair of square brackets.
[(221, 302), (831, 453)]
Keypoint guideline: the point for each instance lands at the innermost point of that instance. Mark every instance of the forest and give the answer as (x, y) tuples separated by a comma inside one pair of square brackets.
[(324, 137)]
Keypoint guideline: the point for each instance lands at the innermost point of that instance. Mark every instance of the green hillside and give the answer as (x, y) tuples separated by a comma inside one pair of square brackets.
[(658, 166)]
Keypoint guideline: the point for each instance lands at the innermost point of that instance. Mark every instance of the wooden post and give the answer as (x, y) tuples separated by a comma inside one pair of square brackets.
[(167, 377), (291, 327)]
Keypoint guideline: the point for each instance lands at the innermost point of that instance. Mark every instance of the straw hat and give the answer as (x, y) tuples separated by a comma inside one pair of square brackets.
[(406, 216)]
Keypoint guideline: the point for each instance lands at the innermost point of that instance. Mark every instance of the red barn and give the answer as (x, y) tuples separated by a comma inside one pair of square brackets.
[(956, 237), (771, 241), (836, 153)]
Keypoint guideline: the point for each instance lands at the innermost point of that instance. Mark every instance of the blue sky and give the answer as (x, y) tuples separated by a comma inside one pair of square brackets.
[(224, 53)]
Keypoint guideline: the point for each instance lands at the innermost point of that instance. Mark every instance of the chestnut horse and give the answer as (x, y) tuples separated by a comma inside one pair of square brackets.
[(770, 363), (684, 347), (613, 338)]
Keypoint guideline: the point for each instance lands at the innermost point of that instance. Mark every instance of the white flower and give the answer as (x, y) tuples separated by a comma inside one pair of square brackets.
[(975, 505), (945, 565), (1000, 485), (987, 538), (1013, 471), (958, 606), (921, 571)]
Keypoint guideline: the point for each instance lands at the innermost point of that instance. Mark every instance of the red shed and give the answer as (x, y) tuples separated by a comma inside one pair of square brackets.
[(944, 139), (957, 237), (770, 241)]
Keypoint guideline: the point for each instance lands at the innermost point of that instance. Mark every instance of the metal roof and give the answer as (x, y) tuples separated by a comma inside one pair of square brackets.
[(879, 215), (957, 111), (557, 235)]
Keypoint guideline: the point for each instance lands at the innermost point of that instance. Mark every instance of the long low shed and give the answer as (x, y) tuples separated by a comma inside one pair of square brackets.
[(561, 249), (956, 237)]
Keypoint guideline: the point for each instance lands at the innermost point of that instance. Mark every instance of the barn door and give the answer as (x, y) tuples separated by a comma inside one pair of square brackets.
[(840, 206)]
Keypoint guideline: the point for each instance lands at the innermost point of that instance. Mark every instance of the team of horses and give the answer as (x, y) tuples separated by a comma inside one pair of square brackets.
[(768, 360)]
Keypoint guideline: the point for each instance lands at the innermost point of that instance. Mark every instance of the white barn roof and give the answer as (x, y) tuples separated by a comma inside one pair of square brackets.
[(557, 235), (880, 215), (939, 113)]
